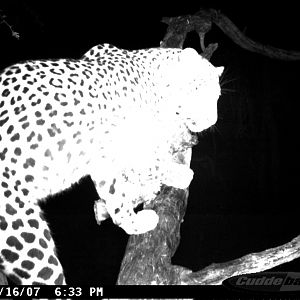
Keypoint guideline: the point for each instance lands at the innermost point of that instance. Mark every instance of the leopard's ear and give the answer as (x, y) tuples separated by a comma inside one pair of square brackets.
[(188, 56), (189, 64), (190, 60)]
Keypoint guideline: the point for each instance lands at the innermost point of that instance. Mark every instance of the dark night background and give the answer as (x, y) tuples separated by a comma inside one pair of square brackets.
[(244, 197)]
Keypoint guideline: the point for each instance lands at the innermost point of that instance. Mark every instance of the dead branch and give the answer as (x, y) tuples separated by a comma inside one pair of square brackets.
[(201, 22), (3, 21)]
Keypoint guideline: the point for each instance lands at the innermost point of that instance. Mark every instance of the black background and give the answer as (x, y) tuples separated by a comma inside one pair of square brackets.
[(244, 197)]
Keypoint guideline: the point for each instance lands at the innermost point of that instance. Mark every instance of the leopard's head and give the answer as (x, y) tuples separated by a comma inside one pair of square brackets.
[(195, 89)]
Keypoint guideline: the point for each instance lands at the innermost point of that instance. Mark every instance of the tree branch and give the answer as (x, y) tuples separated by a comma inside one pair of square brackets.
[(3, 21), (148, 256), (250, 263), (229, 28), (201, 22)]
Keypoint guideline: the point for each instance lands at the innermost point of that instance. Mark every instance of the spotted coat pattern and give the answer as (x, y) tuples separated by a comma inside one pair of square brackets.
[(115, 115)]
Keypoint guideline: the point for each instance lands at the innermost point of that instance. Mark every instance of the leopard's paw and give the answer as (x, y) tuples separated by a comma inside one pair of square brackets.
[(142, 222), (147, 219)]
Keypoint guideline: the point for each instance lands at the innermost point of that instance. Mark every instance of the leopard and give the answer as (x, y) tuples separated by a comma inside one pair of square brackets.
[(115, 115)]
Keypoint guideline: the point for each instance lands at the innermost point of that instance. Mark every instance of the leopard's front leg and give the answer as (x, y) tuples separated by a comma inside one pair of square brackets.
[(117, 199)]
